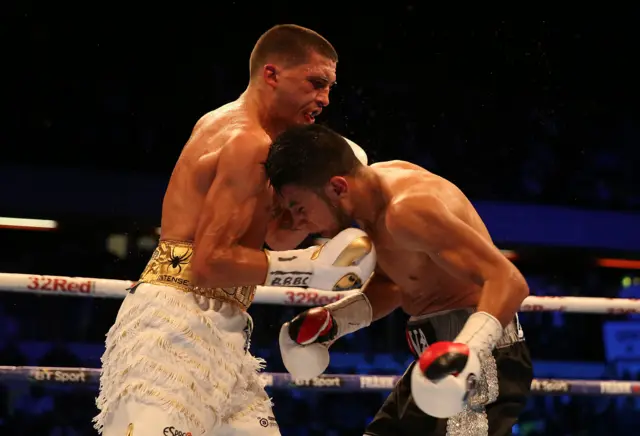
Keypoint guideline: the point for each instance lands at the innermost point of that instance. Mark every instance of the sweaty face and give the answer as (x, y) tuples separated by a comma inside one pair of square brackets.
[(303, 90), (314, 212)]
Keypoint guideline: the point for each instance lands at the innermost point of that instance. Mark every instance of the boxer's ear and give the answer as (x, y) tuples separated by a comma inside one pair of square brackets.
[(269, 74), (337, 187)]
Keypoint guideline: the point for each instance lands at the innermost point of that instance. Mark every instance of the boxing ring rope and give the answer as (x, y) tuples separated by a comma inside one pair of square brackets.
[(328, 382), (109, 288)]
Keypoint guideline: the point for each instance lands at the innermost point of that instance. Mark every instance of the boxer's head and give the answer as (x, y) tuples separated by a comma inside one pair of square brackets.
[(297, 68), (314, 170)]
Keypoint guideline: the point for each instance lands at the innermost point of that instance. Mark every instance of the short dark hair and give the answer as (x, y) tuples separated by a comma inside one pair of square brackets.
[(308, 156), (291, 44)]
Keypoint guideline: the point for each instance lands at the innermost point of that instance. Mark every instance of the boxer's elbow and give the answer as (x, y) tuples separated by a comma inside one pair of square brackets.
[(505, 283), (503, 293), (516, 284)]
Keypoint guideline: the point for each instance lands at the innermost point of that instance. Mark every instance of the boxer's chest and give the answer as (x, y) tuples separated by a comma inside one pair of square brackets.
[(405, 267), (425, 285)]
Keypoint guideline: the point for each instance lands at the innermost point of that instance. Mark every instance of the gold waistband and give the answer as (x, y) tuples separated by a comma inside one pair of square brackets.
[(170, 265)]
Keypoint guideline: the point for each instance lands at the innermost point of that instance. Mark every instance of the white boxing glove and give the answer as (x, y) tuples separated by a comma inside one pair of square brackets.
[(445, 378), (305, 340), (358, 151), (343, 263), (303, 362)]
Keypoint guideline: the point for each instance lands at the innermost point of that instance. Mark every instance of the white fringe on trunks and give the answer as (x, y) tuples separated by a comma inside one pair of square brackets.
[(184, 353)]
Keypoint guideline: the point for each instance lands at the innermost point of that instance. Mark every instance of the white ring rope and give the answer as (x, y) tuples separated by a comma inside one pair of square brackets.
[(109, 288)]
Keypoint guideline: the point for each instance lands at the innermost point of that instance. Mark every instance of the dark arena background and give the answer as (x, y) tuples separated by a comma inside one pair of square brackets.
[(536, 120)]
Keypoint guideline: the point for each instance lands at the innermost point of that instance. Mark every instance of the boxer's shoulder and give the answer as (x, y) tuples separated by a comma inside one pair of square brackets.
[(409, 190), (403, 179), (397, 164), (414, 212), (248, 140), (230, 124), (236, 144)]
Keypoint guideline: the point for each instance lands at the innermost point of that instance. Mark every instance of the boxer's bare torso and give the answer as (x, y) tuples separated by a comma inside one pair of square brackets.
[(197, 167), (424, 286), (218, 199)]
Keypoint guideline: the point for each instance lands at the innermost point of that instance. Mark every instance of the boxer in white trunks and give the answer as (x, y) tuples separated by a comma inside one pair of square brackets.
[(436, 261), (176, 359)]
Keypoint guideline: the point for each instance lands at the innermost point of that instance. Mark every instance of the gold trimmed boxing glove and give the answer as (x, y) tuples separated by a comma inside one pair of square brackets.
[(343, 263)]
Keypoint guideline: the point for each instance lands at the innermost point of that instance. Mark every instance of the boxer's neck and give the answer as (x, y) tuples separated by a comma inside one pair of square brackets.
[(258, 104), (368, 199)]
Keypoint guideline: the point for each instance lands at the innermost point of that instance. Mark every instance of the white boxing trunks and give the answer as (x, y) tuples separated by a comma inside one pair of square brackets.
[(177, 363)]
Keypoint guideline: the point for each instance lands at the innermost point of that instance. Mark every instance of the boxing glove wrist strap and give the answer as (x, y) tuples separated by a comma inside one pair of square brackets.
[(481, 332), (351, 314), (288, 268)]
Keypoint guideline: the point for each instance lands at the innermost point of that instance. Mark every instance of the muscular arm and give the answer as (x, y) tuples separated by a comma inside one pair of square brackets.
[(219, 260), (424, 223), (383, 294)]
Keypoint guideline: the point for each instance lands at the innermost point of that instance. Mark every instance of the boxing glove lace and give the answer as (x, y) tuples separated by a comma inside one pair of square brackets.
[(343, 263)]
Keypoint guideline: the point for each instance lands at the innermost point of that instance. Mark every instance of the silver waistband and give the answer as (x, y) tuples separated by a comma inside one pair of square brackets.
[(447, 325)]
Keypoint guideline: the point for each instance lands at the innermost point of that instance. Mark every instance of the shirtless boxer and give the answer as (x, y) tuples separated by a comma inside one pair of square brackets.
[(436, 261), (176, 359)]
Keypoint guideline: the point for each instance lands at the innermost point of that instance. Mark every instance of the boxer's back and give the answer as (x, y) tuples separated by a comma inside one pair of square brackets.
[(426, 287), (196, 169)]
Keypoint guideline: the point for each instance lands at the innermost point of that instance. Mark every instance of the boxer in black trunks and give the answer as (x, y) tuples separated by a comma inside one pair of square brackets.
[(436, 261)]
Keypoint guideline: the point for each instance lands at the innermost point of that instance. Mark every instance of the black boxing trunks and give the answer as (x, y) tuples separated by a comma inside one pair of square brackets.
[(399, 415)]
